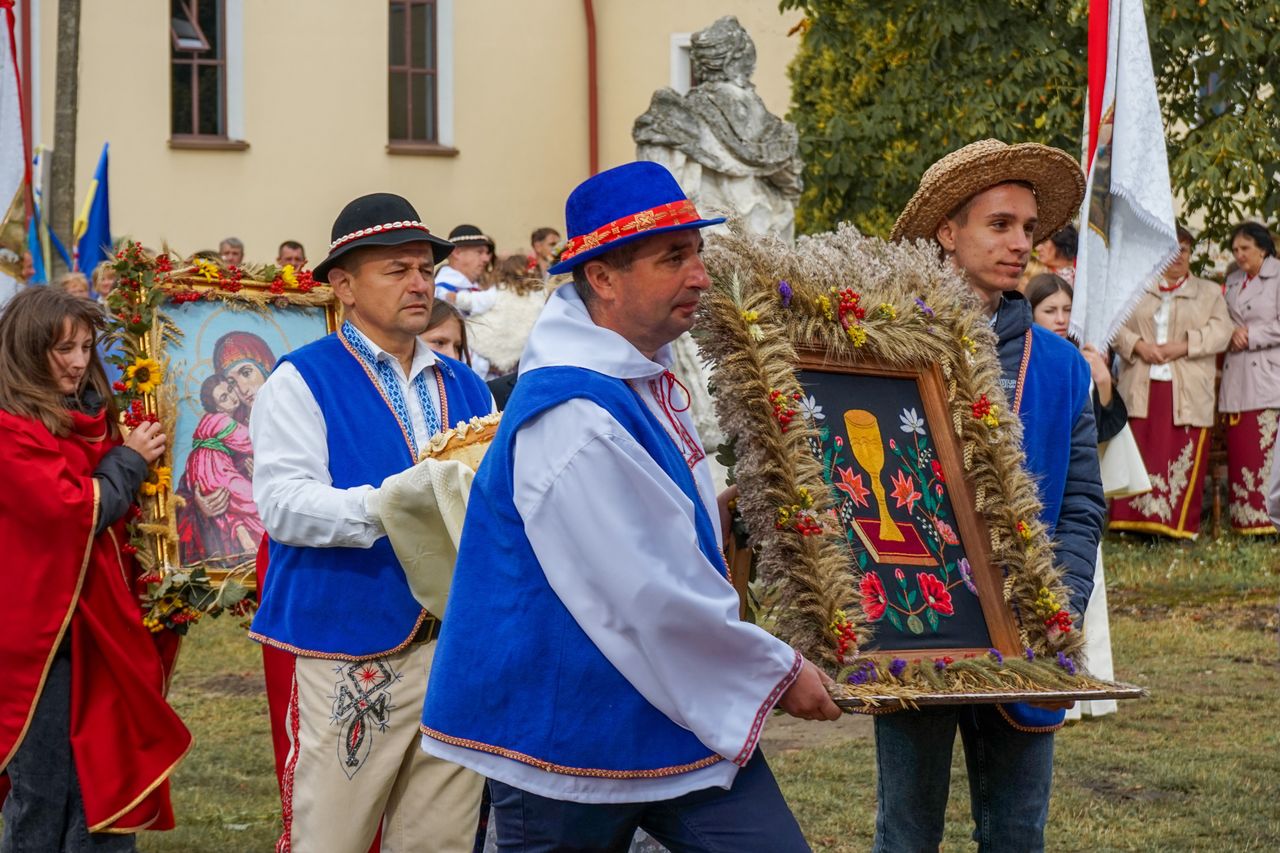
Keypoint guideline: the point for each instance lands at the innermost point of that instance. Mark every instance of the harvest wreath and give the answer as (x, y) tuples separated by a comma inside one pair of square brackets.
[(849, 304)]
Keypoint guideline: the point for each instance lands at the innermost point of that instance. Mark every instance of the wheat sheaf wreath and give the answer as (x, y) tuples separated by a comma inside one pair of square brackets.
[(861, 300)]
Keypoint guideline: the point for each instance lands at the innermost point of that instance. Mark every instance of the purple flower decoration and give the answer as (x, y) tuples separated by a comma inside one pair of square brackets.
[(896, 667), (924, 308), (995, 655), (1066, 663), (1030, 654), (966, 575), (784, 290), (939, 664), (863, 674)]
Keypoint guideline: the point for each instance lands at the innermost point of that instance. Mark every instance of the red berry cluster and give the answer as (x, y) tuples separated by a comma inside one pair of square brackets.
[(151, 577), (846, 639), (807, 525), (982, 407), (182, 617), (849, 304), (783, 406), (306, 283), (243, 607), (1060, 620), (183, 296), (163, 264), (129, 549), (136, 415)]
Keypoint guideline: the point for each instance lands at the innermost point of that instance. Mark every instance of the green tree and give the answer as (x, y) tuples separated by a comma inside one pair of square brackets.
[(882, 90)]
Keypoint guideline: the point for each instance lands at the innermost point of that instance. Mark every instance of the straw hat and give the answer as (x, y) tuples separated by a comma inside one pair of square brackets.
[(1053, 174)]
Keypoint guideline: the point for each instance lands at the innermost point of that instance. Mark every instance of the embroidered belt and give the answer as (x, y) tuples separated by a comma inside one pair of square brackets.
[(427, 631)]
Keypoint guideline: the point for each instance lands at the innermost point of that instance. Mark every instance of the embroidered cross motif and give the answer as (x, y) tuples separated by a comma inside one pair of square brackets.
[(361, 704)]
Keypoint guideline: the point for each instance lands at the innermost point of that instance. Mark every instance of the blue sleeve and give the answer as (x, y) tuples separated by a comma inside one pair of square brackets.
[(1079, 529)]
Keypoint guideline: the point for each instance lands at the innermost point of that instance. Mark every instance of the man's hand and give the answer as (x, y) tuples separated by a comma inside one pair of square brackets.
[(1053, 706), (807, 697), (212, 504), (723, 500)]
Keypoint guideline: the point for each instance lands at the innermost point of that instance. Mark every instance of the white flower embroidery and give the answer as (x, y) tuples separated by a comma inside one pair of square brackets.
[(811, 410), (911, 422)]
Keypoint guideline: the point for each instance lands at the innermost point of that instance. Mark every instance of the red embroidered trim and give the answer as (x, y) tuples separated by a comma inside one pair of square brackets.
[(662, 216), (661, 390), (1032, 730), (307, 653), (772, 699), (286, 779), (656, 773)]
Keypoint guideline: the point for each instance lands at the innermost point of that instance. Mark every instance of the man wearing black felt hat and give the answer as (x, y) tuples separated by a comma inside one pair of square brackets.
[(458, 281), (336, 419)]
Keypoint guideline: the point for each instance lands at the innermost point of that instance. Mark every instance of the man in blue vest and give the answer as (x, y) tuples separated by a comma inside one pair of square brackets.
[(335, 420), (985, 206), (592, 664)]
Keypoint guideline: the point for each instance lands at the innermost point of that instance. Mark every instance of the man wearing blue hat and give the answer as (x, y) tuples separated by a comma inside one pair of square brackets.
[(592, 664), (336, 420)]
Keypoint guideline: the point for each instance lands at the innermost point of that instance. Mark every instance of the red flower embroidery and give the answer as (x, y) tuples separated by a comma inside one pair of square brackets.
[(937, 470), (904, 491), (852, 486), (935, 594), (947, 533), (874, 600)]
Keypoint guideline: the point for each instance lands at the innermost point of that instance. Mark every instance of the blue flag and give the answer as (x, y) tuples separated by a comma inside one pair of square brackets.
[(92, 231)]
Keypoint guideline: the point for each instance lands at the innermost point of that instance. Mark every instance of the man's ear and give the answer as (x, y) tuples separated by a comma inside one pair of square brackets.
[(601, 279), (340, 281), (946, 235)]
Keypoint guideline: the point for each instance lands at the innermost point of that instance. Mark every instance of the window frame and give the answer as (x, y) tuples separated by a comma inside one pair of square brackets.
[(440, 79)]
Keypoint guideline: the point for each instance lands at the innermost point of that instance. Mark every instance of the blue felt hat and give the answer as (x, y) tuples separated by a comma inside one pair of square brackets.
[(620, 206)]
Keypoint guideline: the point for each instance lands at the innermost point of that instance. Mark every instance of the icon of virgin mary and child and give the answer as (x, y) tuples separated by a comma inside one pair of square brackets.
[(219, 520)]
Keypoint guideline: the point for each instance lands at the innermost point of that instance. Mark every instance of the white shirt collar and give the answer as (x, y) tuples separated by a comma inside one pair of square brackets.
[(423, 355), (566, 336)]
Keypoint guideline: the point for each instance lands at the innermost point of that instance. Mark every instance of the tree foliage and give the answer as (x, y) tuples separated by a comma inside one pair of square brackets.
[(882, 90)]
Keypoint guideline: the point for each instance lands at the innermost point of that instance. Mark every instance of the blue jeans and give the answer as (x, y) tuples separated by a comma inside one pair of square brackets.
[(44, 812), (1010, 776), (751, 816)]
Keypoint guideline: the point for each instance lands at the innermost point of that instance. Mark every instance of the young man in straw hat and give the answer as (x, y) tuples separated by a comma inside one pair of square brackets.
[(985, 206), (336, 420), (593, 665)]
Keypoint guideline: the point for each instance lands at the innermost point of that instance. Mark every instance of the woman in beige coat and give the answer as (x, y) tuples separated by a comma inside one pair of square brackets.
[(1250, 396), (1167, 350)]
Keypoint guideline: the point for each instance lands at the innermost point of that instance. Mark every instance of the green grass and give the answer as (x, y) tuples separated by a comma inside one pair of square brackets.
[(1194, 767)]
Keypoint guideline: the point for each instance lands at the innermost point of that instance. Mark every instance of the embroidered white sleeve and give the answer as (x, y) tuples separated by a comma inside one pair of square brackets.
[(295, 495), (615, 537)]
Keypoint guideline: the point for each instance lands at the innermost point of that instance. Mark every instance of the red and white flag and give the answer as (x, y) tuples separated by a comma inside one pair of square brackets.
[(13, 156), (1127, 236)]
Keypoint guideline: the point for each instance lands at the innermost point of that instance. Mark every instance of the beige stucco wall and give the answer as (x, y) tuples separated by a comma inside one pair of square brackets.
[(315, 100)]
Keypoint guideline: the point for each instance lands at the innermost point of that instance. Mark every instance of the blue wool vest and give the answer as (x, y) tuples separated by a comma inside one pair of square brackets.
[(1054, 393), (513, 673), (353, 602)]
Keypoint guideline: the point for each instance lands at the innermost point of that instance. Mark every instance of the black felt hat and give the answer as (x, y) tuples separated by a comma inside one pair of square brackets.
[(378, 219), (470, 235)]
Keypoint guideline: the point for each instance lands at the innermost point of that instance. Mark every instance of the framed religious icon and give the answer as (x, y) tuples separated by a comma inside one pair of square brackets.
[(895, 533), (192, 343)]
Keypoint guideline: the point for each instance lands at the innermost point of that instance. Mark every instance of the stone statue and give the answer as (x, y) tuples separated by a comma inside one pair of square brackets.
[(729, 153)]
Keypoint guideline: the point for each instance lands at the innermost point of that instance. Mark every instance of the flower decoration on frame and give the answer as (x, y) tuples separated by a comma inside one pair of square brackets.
[(139, 334)]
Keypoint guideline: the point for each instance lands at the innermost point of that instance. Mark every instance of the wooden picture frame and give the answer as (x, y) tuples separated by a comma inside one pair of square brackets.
[(883, 325)]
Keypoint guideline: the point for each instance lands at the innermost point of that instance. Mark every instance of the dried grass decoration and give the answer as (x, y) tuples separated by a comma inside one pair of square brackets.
[(860, 301)]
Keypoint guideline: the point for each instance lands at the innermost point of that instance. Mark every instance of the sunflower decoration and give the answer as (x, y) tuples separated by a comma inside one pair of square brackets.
[(159, 479), (144, 375)]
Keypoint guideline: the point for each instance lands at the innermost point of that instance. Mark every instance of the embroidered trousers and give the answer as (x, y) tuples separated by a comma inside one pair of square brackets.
[(355, 763)]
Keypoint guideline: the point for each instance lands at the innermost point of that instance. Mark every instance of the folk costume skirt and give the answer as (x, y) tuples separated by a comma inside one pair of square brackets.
[(1251, 439), (1176, 458)]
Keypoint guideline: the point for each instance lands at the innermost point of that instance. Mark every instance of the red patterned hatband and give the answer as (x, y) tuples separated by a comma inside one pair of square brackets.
[(662, 216), (378, 229)]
